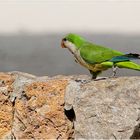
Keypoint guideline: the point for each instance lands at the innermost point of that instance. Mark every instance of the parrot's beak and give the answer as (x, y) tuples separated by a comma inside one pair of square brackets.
[(62, 44)]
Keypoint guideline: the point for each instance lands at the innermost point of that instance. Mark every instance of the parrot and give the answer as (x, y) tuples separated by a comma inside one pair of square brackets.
[(97, 58)]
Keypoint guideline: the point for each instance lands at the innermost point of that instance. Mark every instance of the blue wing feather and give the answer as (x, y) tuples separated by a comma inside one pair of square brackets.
[(126, 57)]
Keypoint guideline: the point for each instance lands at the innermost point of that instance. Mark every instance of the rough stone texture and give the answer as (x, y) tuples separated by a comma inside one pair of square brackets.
[(105, 109), (33, 107), (6, 110)]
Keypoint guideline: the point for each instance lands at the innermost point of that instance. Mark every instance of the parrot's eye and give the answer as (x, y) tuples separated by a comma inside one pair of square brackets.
[(64, 39)]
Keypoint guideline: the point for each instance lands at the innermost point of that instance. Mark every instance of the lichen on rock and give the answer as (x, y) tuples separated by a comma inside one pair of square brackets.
[(34, 108)]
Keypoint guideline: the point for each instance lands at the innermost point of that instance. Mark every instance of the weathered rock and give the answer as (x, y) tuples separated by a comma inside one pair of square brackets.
[(105, 109), (33, 107), (6, 107)]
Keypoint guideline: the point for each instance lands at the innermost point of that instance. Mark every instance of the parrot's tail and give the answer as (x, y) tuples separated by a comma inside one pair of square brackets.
[(124, 61), (128, 65), (125, 57), (133, 56)]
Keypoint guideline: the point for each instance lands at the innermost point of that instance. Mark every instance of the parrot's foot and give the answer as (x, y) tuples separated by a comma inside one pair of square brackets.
[(100, 78), (84, 81)]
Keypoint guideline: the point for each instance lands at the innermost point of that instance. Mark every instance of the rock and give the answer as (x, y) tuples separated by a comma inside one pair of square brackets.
[(105, 109), (68, 107), (6, 109), (33, 107)]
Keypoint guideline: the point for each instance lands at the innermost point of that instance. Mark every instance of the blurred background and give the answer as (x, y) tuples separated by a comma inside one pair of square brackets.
[(31, 32)]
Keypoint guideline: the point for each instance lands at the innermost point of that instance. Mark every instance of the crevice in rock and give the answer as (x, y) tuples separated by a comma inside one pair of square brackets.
[(136, 133), (13, 102), (70, 114), (18, 116), (13, 136), (13, 116), (71, 135), (24, 96)]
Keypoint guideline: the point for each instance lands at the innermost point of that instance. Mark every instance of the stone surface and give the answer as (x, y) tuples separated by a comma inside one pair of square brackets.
[(105, 109), (33, 107), (6, 107), (67, 107)]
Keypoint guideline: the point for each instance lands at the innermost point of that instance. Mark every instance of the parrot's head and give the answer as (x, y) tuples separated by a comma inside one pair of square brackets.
[(72, 42)]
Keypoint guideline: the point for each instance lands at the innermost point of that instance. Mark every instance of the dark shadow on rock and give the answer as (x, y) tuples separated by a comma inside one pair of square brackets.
[(70, 114), (136, 133)]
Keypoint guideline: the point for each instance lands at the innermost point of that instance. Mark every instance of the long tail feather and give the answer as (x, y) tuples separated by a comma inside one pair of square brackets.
[(133, 55), (125, 57), (128, 65)]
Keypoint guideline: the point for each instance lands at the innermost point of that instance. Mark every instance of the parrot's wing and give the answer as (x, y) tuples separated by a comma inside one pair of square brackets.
[(94, 54)]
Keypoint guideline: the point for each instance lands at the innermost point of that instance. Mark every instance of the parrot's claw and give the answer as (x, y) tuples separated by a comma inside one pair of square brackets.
[(101, 78)]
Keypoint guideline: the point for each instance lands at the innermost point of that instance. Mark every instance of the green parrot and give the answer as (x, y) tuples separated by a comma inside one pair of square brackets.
[(97, 58)]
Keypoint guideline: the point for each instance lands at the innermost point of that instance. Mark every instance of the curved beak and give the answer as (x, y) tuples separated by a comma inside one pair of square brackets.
[(62, 44)]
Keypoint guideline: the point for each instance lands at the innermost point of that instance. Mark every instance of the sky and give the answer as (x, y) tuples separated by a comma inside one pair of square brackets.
[(36, 16)]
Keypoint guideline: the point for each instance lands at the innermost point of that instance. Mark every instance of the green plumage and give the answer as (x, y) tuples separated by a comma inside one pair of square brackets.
[(94, 54), (98, 58)]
